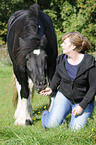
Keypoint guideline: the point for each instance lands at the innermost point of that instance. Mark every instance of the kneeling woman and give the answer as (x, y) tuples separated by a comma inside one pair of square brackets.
[(74, 84)]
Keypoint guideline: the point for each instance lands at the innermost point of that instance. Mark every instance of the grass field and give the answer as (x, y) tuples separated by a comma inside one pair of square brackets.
[(35, 134)]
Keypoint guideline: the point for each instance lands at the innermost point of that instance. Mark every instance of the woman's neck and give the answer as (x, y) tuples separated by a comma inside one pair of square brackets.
[(75, 58)]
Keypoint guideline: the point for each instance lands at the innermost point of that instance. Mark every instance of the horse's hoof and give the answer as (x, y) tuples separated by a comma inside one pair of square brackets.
[(28, 122)]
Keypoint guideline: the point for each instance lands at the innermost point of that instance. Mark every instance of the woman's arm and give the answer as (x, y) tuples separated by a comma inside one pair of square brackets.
[(52, 89), (89, 95), (53, 86), (92, 88)]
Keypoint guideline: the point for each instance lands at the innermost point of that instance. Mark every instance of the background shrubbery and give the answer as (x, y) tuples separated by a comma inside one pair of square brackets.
[(67, 15)]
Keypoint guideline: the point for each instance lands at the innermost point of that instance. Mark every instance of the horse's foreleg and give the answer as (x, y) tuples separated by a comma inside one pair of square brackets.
[(18, 86), (31, 95), (51, 70), (21, 114)]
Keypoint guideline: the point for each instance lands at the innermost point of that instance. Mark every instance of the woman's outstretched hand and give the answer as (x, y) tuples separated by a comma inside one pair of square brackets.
[(46, 92)]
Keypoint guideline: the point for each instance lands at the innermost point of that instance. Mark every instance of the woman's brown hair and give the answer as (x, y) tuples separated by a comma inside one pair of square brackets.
[(77, 39)]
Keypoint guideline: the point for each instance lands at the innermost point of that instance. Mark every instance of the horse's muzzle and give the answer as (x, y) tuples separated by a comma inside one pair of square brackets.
[(40, 86)]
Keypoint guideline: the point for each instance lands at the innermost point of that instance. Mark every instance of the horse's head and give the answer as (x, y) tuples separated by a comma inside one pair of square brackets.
[(37, 65)]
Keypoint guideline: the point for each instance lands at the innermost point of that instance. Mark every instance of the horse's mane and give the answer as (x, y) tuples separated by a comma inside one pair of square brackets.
[(27, 30)]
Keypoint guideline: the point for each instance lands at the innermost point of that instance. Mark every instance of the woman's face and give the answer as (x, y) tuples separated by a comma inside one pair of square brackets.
[(67, 46)]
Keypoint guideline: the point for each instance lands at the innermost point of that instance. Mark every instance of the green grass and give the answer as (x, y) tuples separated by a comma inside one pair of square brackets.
[(35, 134)]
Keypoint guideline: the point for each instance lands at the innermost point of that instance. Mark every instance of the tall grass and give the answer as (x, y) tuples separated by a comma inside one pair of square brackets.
[(35, 134)]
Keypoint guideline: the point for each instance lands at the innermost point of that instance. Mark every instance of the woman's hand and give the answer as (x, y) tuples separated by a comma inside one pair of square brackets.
[(46, 92), (77, 110)]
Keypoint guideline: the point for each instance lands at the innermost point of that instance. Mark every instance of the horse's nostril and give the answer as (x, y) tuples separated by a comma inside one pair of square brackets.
[(40, 83), (37, 82)]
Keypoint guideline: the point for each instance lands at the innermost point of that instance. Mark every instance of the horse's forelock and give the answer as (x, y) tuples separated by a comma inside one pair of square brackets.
[(31, 25)]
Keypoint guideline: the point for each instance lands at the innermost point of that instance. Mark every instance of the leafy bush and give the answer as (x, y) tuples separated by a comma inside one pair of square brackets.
[(67, 15), (79, 17)]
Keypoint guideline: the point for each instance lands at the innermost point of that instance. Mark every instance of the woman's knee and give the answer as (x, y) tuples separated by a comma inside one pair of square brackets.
[(48, 120), (60, 109), (78, 123)]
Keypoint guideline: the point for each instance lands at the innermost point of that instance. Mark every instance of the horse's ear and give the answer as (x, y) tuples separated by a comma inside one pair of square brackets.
[(43, 42), (35, 9)]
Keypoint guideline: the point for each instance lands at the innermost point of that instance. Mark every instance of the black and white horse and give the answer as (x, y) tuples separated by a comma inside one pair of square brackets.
[(32, 46)]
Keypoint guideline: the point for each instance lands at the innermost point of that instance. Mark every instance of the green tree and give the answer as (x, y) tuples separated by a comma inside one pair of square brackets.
[(80, 17), (67, 15)]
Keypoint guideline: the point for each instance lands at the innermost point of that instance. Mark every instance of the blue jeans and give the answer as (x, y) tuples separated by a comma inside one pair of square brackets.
[(61, 108)]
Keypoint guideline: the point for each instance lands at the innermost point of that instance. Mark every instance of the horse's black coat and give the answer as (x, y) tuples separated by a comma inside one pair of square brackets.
[(29, 30)]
